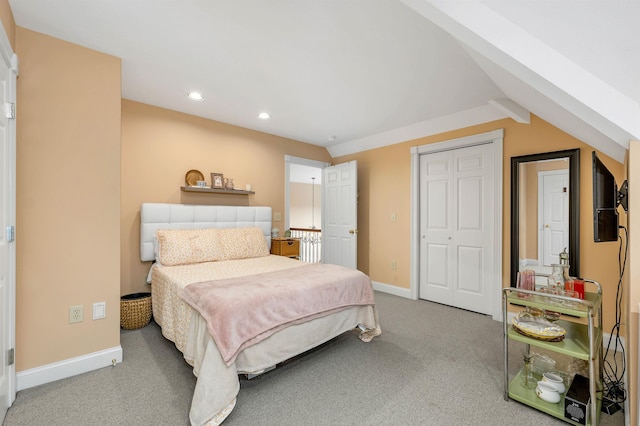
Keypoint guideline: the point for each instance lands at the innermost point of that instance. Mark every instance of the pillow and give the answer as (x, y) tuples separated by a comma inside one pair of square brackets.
[(242, 243), (187, 246)]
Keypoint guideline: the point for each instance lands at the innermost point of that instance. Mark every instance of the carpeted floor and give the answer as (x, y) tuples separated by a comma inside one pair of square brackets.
[(432, 365)]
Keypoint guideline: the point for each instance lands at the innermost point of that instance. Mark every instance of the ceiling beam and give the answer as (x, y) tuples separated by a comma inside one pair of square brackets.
[(455, 121), (512, 109)]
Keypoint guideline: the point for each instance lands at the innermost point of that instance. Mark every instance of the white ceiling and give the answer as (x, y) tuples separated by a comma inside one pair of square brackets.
[(369, 72)]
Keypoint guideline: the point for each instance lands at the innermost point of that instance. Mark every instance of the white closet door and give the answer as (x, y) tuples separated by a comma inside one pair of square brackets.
[(456, 227)]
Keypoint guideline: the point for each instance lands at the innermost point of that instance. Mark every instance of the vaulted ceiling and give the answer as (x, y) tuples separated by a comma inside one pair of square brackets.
[(352, 75)]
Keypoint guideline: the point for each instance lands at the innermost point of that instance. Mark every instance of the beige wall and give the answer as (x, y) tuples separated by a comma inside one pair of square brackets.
[(159, 146), (384, 177), (384, 187), (68, 199)]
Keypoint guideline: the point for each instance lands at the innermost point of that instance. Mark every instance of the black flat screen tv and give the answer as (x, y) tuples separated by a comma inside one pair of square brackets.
[(605, 203)]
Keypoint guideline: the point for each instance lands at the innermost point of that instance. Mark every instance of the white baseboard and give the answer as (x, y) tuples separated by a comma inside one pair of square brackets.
[(606, 337), (528, 262), (392, 289), (69, 367)]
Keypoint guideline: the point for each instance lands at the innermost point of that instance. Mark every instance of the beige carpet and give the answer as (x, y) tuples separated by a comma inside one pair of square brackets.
[(432, 365)]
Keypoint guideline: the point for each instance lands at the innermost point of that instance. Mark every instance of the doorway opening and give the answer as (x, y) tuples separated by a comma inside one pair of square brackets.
[(303, 212)]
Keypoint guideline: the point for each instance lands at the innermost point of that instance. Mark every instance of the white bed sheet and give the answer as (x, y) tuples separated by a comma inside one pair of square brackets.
[(218, 385)]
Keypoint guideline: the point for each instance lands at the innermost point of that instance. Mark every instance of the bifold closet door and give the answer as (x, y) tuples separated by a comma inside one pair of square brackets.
[(456, 227)]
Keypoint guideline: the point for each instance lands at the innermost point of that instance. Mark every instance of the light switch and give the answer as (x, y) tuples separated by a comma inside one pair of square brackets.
[(277, 216), (99, 310)]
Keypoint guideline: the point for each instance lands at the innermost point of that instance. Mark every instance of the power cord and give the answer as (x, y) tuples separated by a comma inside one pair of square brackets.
[(614, 391)]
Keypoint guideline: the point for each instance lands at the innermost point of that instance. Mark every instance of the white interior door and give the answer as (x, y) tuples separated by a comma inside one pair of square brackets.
[(340, 215), (456, 227), (7, 221), (553, 215)]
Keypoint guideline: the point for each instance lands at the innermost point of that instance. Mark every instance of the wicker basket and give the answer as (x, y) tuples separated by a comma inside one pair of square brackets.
[(135, 310)]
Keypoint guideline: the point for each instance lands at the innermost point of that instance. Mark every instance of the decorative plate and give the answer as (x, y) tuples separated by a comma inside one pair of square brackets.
[(193, 176), (538, 327), (538, 337)]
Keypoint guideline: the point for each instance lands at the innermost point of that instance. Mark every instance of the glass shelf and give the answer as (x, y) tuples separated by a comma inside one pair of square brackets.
[(578, 308), (575, 342)]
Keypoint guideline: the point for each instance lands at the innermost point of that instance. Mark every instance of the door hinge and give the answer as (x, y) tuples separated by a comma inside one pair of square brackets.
[(11, 233), (10, 110), (11, 356)]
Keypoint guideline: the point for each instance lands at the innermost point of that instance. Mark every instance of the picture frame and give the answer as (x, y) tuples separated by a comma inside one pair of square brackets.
[(217, 180)]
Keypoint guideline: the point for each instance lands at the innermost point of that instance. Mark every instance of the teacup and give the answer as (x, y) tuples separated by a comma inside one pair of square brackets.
[(547, 392), (554, 380)]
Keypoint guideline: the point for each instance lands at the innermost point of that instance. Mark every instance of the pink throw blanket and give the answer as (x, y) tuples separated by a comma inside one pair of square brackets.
[(246, 310)]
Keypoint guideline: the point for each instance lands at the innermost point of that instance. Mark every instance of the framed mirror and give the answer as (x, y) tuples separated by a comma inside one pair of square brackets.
[(545, 218)]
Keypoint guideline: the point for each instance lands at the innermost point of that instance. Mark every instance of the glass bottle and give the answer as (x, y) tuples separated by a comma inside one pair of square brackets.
[(527, 378), (564, 257), (555, 281), (564, 261), (568, 281)]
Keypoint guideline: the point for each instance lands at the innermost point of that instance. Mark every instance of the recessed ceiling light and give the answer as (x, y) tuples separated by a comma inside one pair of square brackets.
[(264, 116), (331, 138), (195, 96)]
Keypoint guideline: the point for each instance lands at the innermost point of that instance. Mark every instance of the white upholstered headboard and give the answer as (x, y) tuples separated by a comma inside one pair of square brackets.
[(154, 216)]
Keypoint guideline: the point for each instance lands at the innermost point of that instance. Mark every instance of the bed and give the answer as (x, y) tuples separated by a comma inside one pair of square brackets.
[(211, 264)]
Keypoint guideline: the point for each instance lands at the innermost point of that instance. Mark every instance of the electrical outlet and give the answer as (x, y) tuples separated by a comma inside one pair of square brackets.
[(76, 314), (394, 265), (277, 216)]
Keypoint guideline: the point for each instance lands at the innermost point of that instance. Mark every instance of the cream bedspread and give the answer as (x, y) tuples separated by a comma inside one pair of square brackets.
[(173, 314), (218, 385)]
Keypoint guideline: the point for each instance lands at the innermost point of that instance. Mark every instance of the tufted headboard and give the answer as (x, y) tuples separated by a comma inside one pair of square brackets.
[(154, 216)]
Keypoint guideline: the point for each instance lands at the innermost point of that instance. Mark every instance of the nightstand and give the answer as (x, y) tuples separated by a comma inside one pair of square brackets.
[(289, 247)]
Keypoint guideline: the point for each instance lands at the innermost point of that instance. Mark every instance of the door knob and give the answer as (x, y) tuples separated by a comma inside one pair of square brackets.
[(353, 231)]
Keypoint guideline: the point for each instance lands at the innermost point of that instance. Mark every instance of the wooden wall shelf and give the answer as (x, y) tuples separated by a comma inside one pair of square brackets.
[(215, 190)]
